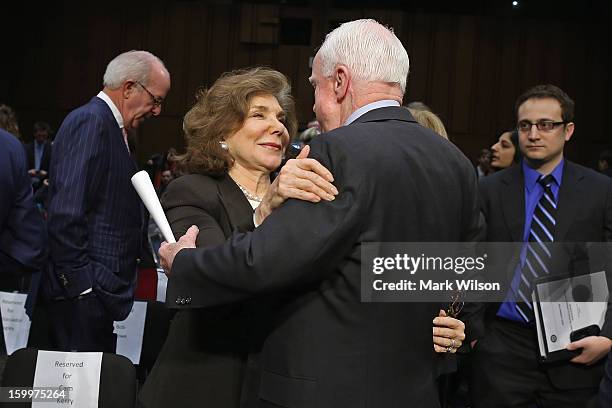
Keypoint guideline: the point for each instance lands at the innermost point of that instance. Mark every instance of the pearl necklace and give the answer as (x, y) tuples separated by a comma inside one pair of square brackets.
[(248, 194)]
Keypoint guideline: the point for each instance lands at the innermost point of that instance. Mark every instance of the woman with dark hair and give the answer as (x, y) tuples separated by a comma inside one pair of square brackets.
[(506, 151)]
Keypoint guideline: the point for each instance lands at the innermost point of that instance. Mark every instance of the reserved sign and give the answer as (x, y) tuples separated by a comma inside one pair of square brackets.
[(15, 321), (76, 373)]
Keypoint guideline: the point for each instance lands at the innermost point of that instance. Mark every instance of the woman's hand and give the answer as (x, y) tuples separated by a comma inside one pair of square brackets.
[(448, 333), (302, 178)]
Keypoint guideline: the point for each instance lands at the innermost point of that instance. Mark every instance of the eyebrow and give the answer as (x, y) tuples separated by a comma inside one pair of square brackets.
[(266, 109), (260, 107)]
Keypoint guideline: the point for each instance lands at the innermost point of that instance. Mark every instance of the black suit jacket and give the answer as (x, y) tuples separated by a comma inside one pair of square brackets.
[(206, 349), (584, 215), (398, 182)]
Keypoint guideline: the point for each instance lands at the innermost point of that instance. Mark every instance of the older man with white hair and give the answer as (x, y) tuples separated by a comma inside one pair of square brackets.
[(324, 347), (95, 216)]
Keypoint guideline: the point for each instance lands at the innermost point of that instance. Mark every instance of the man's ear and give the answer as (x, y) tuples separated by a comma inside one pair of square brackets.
[(127, 88), (569, 131), (342, 79)]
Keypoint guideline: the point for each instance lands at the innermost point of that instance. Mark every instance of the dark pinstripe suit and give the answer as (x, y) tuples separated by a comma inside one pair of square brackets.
[(95, 221)]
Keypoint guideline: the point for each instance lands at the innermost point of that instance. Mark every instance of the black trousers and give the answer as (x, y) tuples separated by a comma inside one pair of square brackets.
[(506, 372), (80, 324)]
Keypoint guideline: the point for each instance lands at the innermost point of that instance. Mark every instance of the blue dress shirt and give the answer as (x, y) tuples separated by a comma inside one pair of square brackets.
[(533, 193)]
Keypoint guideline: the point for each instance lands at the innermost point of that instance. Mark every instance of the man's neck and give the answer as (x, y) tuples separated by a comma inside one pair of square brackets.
[(364, 94), (544, 168)]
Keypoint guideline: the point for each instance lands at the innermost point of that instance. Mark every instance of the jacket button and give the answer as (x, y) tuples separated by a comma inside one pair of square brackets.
[(188, 300), (179, 301)]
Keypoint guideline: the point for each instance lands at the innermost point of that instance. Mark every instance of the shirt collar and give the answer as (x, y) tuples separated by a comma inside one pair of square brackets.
[(385, 103), (112, 107), (532, 176)]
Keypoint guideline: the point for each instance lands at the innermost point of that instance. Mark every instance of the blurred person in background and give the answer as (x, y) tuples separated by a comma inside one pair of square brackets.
[(505, 152), (604, 165), (39, 154), (429, 120), (8, 120), (483, 168)]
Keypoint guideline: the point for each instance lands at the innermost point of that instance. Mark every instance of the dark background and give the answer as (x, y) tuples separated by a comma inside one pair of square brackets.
[(469, 59)]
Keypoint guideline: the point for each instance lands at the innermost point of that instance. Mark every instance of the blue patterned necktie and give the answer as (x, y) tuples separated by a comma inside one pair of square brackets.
[(537, 258)]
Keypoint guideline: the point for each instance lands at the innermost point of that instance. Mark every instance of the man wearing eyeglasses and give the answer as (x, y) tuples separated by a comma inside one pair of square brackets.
[(545, 199), (95, 216)]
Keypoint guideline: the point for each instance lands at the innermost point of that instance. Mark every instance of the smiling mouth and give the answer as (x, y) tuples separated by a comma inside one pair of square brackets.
[(271, 146)]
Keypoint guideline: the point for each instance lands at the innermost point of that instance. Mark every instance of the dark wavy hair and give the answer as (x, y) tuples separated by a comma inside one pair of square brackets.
[(549, 91), (517, 149), (8, 120), (221, 110)]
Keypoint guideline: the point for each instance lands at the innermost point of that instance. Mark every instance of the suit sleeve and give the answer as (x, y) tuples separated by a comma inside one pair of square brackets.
[(7, 181), (185, 206), (296, 247), (192, 210), (21, 229), (77, 168)]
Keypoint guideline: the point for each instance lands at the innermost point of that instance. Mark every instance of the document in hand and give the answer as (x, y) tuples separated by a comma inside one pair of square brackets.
[(563, 306)]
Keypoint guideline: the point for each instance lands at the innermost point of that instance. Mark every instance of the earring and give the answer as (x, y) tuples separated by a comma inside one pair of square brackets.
[(223, 145)]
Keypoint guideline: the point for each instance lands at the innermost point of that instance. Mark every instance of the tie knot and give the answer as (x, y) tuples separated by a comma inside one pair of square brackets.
[(546, 181)]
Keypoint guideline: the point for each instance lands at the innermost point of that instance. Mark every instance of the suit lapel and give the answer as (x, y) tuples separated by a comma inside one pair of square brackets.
[(512, 197), (568, 202), (237, 207)]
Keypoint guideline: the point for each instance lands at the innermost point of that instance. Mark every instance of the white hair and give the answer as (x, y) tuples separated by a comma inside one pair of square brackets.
[(370, 50), (131, 66)]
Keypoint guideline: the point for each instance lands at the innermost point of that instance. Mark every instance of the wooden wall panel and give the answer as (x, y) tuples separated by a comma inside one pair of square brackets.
[(440, 75), (469, 69), (420, 39), (463, 63)]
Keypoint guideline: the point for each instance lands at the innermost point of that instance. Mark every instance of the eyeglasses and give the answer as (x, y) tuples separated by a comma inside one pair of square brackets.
[(455, 306), (157, 101), (543, 125)]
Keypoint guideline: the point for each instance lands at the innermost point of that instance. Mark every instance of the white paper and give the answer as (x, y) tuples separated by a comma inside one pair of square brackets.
[(146, 191), (130, 332), (536, 312), (15, 321), (78, 373), (562, 315), (162, 285)]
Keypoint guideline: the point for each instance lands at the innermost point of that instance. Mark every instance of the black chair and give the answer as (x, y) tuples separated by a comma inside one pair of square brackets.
[(117, 378)]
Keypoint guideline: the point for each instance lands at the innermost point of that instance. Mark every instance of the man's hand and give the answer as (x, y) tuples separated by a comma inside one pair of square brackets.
[(593, 349), (167, 251), (32, 172), (301, 178)]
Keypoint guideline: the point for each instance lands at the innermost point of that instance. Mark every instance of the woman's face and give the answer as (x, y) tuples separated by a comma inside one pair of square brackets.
[(261, 141), (502, 152)]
